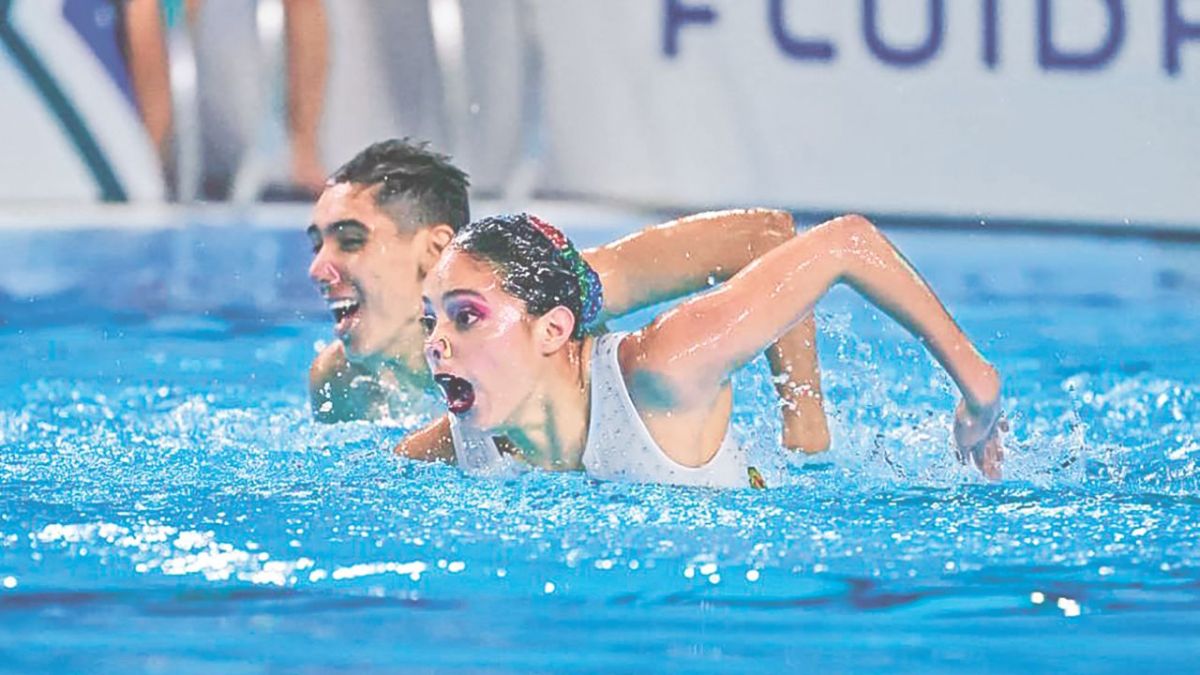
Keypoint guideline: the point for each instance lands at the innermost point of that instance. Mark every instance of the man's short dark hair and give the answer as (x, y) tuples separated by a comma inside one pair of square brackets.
[(434, 189)]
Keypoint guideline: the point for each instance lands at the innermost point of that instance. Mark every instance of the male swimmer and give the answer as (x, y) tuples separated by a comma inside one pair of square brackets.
[(387, 215), (510, 316)]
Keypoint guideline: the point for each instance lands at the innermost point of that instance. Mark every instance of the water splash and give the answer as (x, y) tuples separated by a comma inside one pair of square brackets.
[(164, 473)]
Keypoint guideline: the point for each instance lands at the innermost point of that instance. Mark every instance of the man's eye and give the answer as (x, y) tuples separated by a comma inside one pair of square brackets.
[(465, 318), (351, 244)]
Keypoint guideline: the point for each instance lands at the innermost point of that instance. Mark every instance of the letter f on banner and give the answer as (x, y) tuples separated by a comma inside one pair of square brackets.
[(676, 15)]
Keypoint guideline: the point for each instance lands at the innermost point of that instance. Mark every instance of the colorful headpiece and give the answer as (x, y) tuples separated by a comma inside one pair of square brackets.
[(591, 292)]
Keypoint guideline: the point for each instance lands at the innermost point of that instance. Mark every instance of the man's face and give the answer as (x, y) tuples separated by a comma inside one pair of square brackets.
[(368, 267)]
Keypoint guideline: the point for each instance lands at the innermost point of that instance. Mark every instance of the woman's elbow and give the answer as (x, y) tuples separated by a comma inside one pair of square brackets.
[(855, 223)]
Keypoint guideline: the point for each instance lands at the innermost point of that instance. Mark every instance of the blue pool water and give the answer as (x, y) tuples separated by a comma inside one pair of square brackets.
[(166, 503)]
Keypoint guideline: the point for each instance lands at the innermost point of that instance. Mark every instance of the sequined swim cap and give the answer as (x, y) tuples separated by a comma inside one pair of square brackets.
[(538, 264)]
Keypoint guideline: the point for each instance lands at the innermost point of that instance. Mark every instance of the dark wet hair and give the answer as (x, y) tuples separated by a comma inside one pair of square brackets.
[(409, 172), (537, 264)]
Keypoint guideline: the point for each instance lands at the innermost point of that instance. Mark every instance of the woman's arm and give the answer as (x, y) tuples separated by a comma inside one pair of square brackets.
[(432, 443), (690, 254), (685, 356)]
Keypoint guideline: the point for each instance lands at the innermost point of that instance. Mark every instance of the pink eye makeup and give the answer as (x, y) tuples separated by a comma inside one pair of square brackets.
[(466, 312)]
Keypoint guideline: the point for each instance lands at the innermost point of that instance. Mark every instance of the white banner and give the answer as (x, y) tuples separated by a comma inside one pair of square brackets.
[(69, 127), (1072, 110)]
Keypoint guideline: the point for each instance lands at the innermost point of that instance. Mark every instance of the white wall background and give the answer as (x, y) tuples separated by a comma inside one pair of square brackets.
[(733, 119), (38, 161), (586, 92)]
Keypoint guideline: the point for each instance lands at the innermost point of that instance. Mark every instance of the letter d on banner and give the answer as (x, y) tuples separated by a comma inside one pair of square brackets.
[(1052, 58)]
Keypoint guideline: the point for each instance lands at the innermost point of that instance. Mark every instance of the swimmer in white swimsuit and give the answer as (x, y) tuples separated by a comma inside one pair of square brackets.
[(619, 447), (387, 214), (509, 306)]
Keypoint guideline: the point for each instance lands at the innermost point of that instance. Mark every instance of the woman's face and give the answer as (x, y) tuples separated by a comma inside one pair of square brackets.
[(479, 345)]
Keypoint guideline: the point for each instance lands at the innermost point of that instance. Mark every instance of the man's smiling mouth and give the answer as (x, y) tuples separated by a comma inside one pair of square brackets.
[(460, 395), (344, 311)]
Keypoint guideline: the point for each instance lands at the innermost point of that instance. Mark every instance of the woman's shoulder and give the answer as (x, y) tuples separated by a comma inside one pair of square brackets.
[(629, 350), (610, 347)]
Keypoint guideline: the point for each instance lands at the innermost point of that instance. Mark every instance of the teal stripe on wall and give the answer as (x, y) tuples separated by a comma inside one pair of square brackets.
[(77, 130)]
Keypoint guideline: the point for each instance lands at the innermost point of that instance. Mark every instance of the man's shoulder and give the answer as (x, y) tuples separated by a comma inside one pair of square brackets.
[(327, 364), (330, 358), (338, 390), (331, 364)]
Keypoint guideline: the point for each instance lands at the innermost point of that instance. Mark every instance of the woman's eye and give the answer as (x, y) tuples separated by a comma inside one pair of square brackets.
[(428, 323), (465, 318)]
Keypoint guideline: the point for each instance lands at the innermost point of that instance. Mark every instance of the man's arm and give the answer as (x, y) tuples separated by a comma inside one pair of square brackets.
[(692, 253), (683, 256), (340, 391)]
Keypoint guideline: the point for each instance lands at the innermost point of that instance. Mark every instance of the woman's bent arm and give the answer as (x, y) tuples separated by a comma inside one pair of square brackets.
[(690, 350), (689, 254), (432, 443)]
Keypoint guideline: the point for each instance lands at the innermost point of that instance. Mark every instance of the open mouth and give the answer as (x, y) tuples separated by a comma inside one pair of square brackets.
[(344, 311), (460, 395)]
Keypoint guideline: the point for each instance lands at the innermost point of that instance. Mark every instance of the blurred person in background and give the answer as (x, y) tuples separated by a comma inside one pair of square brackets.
[(386, 216), (307, 40)]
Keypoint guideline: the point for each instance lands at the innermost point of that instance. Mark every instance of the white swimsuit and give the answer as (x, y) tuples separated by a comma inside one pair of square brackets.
[(619, 446)]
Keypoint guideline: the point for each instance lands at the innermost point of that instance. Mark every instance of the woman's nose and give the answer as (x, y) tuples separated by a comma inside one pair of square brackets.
[(437, 348)]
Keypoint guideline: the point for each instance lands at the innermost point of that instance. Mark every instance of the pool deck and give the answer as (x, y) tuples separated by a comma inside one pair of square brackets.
[(582, 216)]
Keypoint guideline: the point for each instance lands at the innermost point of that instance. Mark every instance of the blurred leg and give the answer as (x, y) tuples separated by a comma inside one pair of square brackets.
[(307, 65), (150, 72), (193, 11)]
